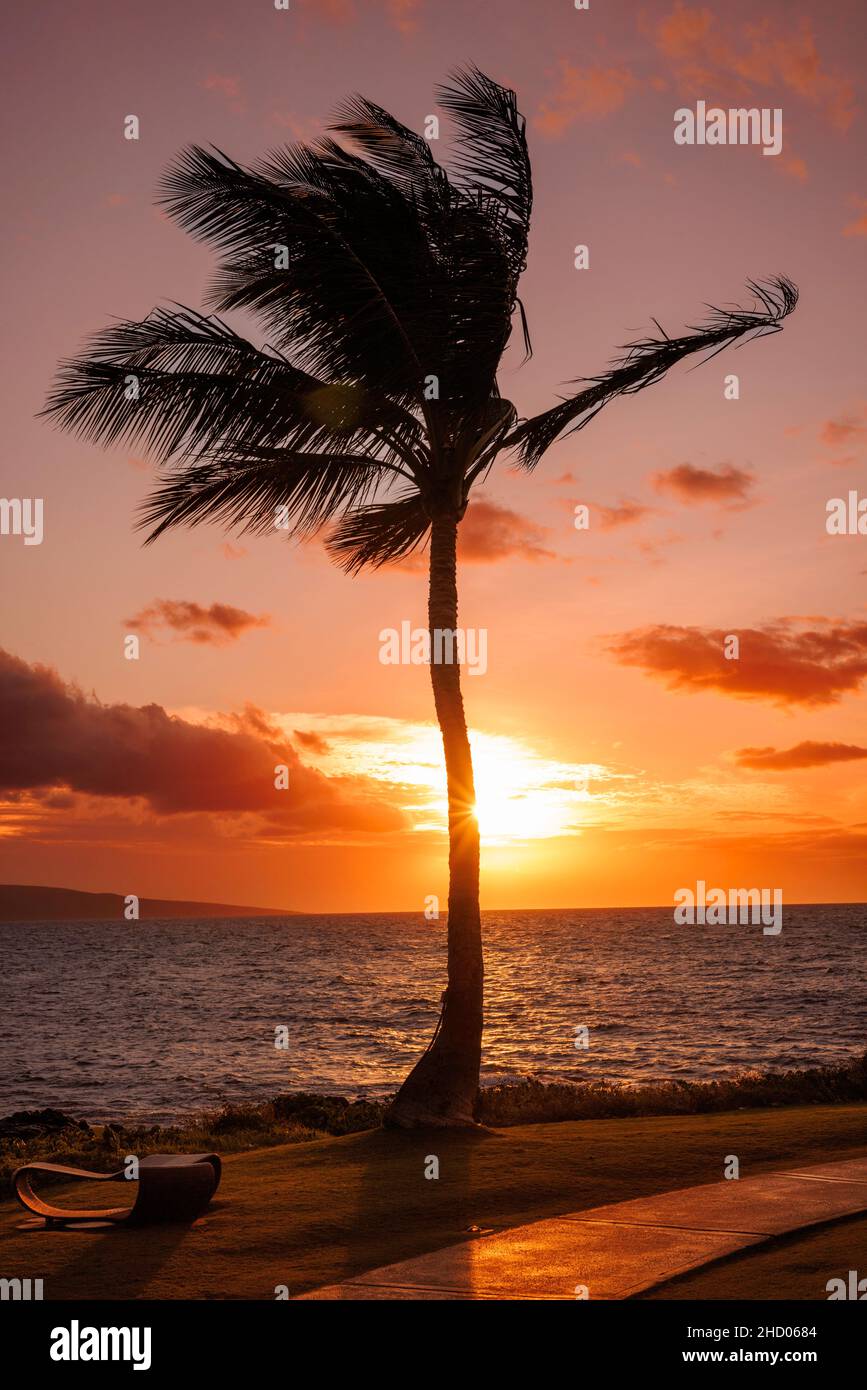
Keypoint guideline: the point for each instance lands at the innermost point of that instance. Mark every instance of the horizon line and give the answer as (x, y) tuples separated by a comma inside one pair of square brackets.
[(377, 912)]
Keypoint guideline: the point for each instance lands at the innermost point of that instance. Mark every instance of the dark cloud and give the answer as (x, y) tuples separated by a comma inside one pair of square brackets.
[(807, 754), (55, 740), (215, 626), (786, 662)]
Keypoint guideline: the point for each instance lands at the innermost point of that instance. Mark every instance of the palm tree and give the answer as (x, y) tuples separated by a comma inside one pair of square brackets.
[(387, 289)]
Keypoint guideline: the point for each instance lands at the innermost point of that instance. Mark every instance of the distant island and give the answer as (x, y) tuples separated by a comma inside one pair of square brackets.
[(24, 902)]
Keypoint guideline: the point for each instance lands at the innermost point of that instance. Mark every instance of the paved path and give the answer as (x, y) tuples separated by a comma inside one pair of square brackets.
[(616, 1251)]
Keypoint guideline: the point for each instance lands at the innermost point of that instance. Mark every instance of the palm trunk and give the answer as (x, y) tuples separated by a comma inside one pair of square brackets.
[(442, 1087)]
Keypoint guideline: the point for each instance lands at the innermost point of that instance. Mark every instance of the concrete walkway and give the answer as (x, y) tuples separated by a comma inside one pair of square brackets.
[(620, 1250)]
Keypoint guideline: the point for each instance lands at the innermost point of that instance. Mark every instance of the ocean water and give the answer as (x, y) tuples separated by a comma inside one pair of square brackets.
[(153, 1020)]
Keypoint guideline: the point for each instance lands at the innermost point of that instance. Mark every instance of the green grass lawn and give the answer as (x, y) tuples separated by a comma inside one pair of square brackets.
[(309, 1214)]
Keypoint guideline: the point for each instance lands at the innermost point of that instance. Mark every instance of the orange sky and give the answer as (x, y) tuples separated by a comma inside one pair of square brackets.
[(619, 756)]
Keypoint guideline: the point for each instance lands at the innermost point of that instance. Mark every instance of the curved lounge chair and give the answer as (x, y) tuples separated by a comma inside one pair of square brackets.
[(171, 1187)]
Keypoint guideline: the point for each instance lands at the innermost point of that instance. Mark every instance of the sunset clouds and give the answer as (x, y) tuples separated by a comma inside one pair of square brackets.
[(731, 59), (609, 727), (588, 92), (54, 739), (491, 532), (788, 663), (626, 512), (691, 485), (711, 54), (216, 625), (807, 754), (858, 226), (403, 15), (228, 87), (846, 431)]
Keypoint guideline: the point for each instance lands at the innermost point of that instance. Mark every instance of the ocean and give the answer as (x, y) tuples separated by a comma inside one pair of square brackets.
[(153, 1020)]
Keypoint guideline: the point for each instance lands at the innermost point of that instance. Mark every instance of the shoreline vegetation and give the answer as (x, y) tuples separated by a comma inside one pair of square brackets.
[(300, 1117)]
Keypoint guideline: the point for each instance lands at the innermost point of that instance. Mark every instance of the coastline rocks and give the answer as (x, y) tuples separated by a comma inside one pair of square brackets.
[(36, 1124), (333, 1114)]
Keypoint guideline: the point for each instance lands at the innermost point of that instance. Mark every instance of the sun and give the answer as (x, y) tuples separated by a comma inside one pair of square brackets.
[(521, 796)]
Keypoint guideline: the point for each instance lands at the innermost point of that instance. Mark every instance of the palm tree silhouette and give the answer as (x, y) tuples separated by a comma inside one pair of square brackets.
[(387, 289)]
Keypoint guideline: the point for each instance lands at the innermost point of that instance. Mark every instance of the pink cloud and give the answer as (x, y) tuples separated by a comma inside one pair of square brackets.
[(590, 92), (787, 662), (859, 226), (227, 87), (693, 485), (490, 532), (846, 430), (710, 59), (305, 128), (404, 15), (795, 167), (215, 626), (626, 512)]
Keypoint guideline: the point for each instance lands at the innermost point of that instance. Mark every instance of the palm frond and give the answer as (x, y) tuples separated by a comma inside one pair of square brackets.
[(492, 156), (306, 255), (398, 153), (441, 269), (647, 360), (374, 283), (183, 384), (245, 494), (379, 534), (376, 273)]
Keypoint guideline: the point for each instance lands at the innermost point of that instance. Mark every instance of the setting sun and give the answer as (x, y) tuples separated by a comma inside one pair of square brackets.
[(520, 796)]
